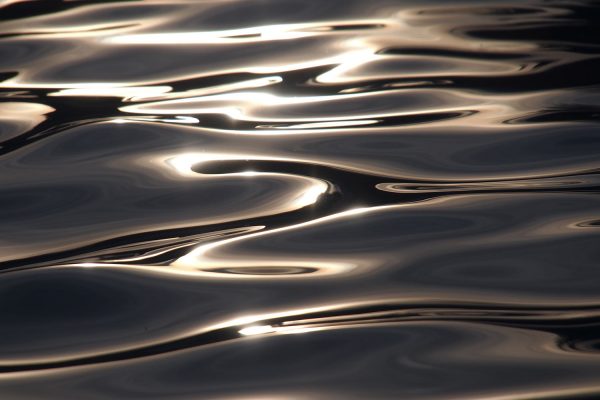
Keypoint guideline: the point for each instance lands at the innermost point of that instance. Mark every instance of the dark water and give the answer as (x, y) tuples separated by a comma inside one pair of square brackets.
[(298, 199)]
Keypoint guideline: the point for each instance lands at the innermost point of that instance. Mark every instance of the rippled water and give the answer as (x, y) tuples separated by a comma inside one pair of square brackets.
[(298, 199)]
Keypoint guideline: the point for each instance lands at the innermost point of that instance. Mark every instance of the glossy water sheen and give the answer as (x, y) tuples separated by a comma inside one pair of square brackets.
[(298, 199)]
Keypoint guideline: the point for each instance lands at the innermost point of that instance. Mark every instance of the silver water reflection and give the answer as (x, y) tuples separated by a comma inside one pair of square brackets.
[(280, 199)]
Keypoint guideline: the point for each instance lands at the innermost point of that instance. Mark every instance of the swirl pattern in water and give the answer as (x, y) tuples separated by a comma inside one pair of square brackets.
[(299, 199)]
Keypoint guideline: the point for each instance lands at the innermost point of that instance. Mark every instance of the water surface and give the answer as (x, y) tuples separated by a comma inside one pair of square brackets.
[(298, 199)]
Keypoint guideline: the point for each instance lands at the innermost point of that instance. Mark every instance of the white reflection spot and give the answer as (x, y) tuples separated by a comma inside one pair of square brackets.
[(257, 330), (356, 211), (311, 195), (86, 265), (249, 173)]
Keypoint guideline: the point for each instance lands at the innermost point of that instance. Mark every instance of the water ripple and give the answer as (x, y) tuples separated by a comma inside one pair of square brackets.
[(299, 199)]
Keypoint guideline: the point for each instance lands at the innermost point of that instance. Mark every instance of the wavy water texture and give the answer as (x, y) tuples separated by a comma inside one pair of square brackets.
[(298, 199)]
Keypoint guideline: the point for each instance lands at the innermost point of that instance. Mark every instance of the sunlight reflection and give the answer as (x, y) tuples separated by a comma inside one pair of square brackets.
[(283, 330), (18, 117), (256, 330), (265, 33), (179, 119), (242, 35), (210, 90), (329, 124), (244, 106), (107, 91)]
